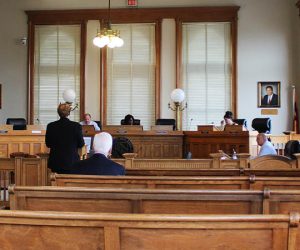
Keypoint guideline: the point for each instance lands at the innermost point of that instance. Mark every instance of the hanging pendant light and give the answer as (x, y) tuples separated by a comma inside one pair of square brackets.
[(107, 36)]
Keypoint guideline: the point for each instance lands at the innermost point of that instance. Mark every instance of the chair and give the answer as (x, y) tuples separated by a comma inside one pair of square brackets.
[(291, 147), (166, 122), (121, 145), (241, 122), (135, 122), (16, 121), (262, 125), (99, 124)]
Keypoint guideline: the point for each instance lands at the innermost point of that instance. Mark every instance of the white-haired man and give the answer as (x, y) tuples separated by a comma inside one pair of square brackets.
[(266, 147), (98, 163)]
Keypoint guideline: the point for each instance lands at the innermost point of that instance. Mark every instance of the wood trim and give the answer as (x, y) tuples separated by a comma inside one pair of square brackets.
[(82, 67), (157, 68), (178, 53), (139, 15), (234, 66), (30, 76), (30, 91), (103, 83), (103, 76), (223, 17)]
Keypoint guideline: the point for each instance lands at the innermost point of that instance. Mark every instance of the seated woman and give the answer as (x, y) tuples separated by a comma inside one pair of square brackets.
[(128, 120), (228, 119)]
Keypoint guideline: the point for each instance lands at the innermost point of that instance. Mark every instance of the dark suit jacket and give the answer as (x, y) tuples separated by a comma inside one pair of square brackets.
[(97, 164), (63, 137), (274, 100)]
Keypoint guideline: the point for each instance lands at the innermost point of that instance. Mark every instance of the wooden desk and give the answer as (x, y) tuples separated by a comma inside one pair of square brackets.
[(202, 144), (153, 144), (22, 141)]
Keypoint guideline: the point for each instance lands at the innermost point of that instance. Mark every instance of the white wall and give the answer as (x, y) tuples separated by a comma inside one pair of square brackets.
[(268, 36)]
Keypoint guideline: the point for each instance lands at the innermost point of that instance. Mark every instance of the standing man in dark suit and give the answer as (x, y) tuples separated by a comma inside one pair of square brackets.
[(98, 163), (270, 99), (64, 138)]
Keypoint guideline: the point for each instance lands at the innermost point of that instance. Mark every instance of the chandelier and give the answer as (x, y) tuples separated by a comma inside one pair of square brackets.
[(108, 36)]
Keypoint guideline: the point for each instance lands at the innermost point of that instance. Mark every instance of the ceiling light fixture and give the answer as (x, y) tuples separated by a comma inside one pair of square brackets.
[(108, 36)]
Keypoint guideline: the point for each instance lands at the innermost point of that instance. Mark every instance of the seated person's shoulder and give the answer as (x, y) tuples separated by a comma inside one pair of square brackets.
[(118, 167)]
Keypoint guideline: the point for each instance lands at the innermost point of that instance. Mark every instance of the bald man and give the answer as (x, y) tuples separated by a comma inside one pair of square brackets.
[(266, 147), (98, 163), (63, 137)]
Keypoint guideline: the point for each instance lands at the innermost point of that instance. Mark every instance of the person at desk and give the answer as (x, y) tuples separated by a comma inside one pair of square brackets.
[(87, 121), (266, 147), (64, 138), (128, 120), (98, 163), (270, 99), (228, 119)]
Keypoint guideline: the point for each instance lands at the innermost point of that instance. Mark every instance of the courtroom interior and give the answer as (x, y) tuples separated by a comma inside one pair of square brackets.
[(138, 124)]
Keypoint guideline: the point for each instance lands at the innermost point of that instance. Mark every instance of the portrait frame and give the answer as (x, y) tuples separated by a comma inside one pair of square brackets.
[(263, 99)]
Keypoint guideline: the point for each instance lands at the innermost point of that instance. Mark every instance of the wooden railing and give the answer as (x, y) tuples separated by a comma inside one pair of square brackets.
[(216, 162)]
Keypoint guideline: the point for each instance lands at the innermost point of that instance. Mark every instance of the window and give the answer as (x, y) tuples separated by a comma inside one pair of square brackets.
[(131, 75), (207, 72), (56, 68)]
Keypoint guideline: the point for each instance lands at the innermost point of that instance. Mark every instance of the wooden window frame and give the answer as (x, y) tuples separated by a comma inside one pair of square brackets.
[(225, 14), (32, 22), (129, 15), (103, 72)]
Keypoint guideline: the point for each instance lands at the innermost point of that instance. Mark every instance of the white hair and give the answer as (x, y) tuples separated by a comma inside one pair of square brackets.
[(102, 143)]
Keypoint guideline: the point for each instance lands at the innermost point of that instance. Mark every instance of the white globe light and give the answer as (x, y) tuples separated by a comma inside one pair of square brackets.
[(104, 41), (177, 95), (97, 41), (119, 42), (113, 42), (69, 95)]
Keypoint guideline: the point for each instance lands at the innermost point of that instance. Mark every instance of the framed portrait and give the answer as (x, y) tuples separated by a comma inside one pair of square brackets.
[(268, 94)]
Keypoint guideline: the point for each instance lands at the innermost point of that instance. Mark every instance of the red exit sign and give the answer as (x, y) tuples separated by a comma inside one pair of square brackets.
[(132, 3)]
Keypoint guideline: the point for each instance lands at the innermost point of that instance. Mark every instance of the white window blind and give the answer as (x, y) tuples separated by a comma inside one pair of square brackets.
[(206, 64), (131, 75), (56, 68)]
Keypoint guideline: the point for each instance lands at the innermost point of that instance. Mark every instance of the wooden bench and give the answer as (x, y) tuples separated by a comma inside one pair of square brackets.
[(154, 201), (116, 200), (68, 231), (162, 182), (177, 182)]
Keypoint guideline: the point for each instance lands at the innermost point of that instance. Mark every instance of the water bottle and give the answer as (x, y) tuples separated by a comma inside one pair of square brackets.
[(234, 156)]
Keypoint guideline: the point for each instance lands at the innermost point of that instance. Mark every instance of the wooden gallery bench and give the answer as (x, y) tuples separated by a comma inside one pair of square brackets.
[(174, 182), (156, 201), (69, 231)]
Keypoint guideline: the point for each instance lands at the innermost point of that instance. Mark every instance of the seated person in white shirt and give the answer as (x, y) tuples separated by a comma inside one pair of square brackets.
[(266, 147), (88, 121)]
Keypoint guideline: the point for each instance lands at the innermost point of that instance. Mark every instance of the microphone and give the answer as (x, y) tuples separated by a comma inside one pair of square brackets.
[(189, 127)]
